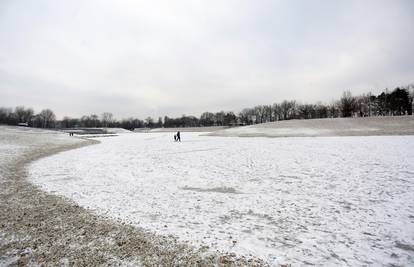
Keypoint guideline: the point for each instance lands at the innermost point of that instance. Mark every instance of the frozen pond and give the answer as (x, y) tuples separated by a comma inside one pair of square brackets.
[(324, 201)]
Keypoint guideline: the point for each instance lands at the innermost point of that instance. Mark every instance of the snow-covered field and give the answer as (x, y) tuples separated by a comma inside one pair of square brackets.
[(24, 139), (366, 126), (325, 201)]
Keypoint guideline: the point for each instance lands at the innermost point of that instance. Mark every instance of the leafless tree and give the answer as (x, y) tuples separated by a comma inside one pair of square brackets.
[(107, 118), (277, 111), (363, 105), (288, 109), (347, 104), (305, 111), (207, 119), (23, 114), (219, 118), (149, 122), (6, 115), (95, 120), (47, 118), (260, 113)]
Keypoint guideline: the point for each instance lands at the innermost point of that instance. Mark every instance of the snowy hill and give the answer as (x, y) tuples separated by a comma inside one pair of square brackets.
[(118, 130), (189, 129), (403, 125)]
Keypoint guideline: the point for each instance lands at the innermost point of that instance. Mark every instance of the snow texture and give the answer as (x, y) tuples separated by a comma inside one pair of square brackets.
[(367, 126), (24, 139), (325, 201)]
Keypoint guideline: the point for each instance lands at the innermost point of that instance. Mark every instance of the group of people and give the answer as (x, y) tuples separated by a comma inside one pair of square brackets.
[(177, 137)]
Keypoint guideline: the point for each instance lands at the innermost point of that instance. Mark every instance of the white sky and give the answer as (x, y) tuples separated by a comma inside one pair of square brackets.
[(154, 58)]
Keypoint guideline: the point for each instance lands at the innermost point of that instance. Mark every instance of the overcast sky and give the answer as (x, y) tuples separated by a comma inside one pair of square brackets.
[(154, 58)]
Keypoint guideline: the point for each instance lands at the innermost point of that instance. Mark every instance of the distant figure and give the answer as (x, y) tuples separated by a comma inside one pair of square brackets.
[(175, 137), (178, 136)]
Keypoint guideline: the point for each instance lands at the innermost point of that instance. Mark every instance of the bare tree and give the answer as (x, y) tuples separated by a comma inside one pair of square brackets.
[(107, 118), (288, 109), (207, 119), (363, 105), (333, 110), (347, 104), (260, 113), (268, 113), (229, 118), (305, 111), (94, 120), (22, 114), (245, 115), (159, 123), (6, 116), (47, 118), (149, 122), (86, 121), (410, 89), (321, 110), (219, 118), (277, 111)]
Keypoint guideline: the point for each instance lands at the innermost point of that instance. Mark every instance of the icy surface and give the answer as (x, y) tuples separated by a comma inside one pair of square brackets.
[(325, 201)]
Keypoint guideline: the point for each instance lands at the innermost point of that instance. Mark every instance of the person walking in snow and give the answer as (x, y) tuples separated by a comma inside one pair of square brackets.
[(178, 136)]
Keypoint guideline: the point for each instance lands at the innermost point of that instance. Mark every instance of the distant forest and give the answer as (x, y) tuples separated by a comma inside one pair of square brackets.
[(395, 103)]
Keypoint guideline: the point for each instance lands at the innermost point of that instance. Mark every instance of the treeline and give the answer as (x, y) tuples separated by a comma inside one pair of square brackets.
[(21, 115), (395, 103)]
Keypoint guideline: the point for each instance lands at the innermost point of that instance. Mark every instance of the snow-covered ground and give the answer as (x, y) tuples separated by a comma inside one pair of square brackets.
[(187, 129), (325, 201), (25, 139), (366, 126)]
